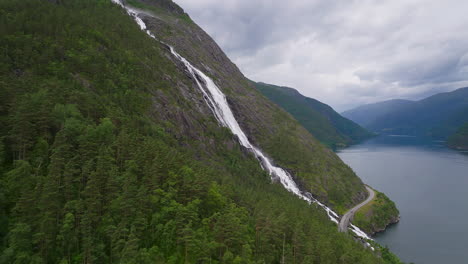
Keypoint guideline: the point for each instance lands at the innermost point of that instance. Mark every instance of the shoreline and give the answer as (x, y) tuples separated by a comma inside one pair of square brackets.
[(349, 215), (377, 232), (377, 214)]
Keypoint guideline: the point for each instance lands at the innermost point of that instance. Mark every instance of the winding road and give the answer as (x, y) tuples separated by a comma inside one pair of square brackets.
[(344, 222)]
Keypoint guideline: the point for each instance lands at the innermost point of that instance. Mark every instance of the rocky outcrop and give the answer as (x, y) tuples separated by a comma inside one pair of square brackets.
[(391, 221), (377, 215)]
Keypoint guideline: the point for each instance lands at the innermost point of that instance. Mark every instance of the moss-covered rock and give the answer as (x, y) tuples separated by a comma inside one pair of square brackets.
[(317, 169)]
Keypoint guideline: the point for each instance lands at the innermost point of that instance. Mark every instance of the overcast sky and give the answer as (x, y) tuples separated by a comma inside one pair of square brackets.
[(343, 52)]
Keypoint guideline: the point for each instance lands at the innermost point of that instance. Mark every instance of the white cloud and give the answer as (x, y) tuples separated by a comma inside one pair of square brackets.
[(343, 52)]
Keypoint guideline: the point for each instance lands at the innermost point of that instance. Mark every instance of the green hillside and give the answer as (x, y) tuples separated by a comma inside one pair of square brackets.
[(318, 118), (109, 154), (459, 140), (377, 215)]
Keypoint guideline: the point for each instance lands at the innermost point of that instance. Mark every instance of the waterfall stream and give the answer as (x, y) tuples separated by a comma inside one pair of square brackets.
[(218, 104)]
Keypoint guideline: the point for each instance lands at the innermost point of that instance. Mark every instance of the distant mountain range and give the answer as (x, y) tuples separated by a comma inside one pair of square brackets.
[(437, 116), (318, 118)]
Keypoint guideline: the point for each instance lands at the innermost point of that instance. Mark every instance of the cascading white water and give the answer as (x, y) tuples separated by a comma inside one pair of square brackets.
[(218, 104)]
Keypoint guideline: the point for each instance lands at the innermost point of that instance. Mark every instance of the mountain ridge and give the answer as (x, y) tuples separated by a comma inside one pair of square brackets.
[(318, 118), (364, 110), (437, 116)]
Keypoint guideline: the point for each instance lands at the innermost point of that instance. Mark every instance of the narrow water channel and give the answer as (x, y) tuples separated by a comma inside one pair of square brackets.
[(429, 184)]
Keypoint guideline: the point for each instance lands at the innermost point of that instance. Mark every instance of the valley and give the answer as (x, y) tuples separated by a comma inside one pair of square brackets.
[(438, 116), (319, 119)]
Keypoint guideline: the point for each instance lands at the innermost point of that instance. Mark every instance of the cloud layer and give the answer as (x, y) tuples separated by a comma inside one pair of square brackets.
[(344, 52)]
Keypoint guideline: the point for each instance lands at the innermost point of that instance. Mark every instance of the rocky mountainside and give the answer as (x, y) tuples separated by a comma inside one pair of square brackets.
[(318, 118), (437, 116), (267, 126), (110, 154)]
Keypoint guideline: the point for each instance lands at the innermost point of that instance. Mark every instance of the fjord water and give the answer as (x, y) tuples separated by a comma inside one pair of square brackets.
[(428, 183)]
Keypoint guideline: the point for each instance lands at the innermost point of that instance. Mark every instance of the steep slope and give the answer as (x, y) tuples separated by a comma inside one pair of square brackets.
[(110, 154), (377, 215), (437, 116), (459, 140), (318, 118), (267, 126), (366, 115)]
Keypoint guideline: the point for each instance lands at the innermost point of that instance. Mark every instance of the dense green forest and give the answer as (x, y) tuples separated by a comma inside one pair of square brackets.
[(375, 216), (318, 118), (459, 140), (91, 171)]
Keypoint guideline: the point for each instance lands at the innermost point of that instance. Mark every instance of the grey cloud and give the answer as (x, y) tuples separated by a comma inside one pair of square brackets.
[(343, 52)]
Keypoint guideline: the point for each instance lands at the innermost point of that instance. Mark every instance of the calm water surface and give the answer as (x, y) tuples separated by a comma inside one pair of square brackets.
[(429, 184)]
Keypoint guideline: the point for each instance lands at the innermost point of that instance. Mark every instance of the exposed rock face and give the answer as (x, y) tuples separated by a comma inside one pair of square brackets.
[(167, 5), (392, 221), (375, 227), (315, 168)]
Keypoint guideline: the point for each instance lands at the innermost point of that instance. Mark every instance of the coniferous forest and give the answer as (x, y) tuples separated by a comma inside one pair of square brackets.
[(91, 173)]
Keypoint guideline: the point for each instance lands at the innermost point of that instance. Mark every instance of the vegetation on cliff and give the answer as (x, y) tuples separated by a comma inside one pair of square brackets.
[(459, 140), (108, 154), (377, 214), (316, 168)]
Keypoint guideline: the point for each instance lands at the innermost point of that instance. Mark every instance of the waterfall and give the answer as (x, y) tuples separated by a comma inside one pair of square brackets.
[(218, 104)]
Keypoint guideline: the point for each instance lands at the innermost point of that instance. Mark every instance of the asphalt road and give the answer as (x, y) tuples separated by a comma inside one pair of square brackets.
[(344, 222)]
